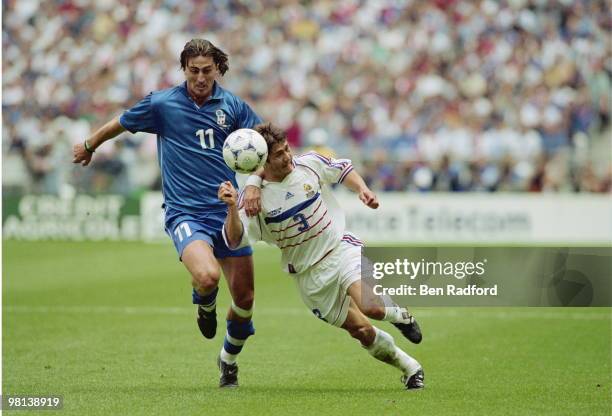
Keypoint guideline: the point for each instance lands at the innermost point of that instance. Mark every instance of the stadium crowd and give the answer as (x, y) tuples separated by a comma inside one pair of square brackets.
[(443, 95)]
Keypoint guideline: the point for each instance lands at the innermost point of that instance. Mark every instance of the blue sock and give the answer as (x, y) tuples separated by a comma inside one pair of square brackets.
[(237, 333), (208, 302)]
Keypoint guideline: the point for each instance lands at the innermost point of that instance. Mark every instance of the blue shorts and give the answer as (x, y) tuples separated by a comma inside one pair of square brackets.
[(184, 228)]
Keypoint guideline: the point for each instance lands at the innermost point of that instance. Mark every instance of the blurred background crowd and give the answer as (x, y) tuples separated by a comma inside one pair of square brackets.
[(441, 95)]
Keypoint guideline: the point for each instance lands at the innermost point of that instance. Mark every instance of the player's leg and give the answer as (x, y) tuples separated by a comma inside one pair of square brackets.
[(373, 306), (381, 346), (323, 290), (384, 309), (194, 245), (238, 270), (205, 272), (239, 274)]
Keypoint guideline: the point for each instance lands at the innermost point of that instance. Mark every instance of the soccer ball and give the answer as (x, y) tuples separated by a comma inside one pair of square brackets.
[(245, 150)]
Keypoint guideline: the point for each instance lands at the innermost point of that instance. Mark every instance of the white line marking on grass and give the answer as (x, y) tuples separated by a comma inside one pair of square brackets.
[(489, 313), (134, 310), (526, 313)]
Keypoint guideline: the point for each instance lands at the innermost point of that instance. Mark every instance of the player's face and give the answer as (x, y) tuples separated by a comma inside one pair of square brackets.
[(200, 73), (279, 159)]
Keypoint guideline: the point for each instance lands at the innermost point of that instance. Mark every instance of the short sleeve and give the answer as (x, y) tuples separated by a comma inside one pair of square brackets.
[(247, 118), (140, 117), (329, 170)]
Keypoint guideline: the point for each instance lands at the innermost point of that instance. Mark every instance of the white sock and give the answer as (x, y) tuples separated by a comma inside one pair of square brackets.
[(226, 357), (393, 314), (407, 364), (384, 349)]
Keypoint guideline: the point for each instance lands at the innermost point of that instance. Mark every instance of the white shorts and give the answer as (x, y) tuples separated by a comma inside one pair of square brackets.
[(324, 286)]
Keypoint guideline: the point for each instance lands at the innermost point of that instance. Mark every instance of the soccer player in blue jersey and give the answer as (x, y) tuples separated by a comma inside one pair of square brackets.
[(191, 122)]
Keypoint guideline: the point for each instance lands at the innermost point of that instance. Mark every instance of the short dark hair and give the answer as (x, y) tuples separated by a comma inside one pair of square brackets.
[(203, 47), (273, 135)]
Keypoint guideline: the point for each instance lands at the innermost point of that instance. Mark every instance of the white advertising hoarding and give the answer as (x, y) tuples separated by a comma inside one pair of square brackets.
[(460, 218), (482, 218), (572, 219)]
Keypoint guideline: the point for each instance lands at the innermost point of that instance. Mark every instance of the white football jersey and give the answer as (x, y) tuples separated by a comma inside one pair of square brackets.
[(300, 215)]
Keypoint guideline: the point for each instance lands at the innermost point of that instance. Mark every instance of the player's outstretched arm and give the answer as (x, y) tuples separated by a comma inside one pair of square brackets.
[(233, 226), (251, 199), (82, 152), (355, 183)]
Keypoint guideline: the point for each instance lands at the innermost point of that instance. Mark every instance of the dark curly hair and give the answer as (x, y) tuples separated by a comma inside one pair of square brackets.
[(273, 135), (203, 47)]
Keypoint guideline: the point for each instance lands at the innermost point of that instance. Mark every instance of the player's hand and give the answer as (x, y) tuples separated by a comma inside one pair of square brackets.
[(251, 200), (368, 198), (228, 194), (80, 155)]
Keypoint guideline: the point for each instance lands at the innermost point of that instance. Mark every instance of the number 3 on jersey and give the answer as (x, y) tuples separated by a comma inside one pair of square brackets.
[(211, 138), (300, 218)]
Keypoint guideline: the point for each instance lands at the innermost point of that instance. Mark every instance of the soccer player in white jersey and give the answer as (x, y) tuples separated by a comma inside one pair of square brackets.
[(302, 218)]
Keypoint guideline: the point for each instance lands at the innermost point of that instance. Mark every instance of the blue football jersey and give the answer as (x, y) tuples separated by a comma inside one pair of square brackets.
[(190, 142)]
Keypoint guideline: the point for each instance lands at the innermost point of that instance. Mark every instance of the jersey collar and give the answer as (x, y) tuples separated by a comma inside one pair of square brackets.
[(217, 92)]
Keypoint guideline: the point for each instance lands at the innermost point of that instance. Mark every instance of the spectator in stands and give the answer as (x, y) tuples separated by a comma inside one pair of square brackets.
[(479, 81)]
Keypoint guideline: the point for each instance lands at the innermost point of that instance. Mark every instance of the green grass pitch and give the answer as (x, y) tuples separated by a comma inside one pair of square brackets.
[(110, 327)]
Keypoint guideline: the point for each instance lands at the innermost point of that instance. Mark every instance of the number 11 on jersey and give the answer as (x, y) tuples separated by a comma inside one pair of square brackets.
[(211, 138)]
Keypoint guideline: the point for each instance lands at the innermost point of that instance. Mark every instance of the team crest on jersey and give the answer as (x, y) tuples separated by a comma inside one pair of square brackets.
[(289, 195), (220, 117), (309, 191)]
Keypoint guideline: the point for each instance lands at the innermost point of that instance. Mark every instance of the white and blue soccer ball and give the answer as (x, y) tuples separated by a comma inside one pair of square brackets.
[(245, 150)]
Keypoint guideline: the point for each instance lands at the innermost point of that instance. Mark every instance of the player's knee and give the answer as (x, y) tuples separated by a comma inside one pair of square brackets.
[(373, 311), (206, 280)]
